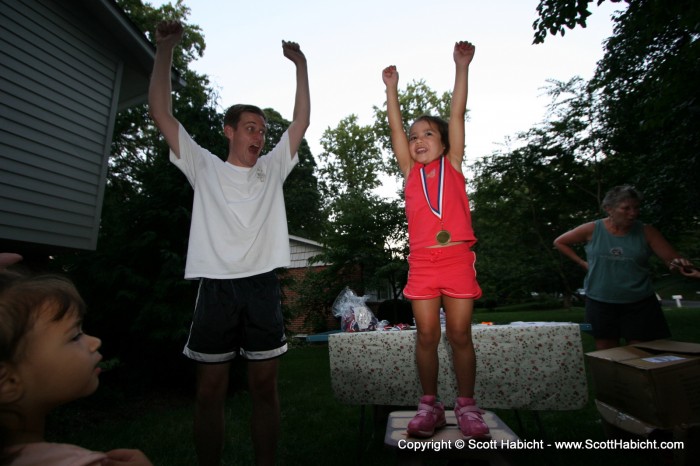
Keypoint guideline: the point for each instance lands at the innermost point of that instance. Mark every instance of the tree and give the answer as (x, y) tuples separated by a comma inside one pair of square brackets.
[(302, 197), (555, 15), (362, 227), (651, 115), (526, 196)]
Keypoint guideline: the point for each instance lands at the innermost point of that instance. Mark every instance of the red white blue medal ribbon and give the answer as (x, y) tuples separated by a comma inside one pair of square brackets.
[(441, 179), (443, 236)]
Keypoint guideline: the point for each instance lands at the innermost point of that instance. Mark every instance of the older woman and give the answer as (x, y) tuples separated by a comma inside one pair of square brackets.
[(620, 299)]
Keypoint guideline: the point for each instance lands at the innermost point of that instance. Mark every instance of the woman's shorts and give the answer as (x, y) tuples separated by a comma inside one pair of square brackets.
[(643, 320), (448, 271), (237, 316)]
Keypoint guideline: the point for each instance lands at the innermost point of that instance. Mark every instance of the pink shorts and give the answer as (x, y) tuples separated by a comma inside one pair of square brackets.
[(449, 271)]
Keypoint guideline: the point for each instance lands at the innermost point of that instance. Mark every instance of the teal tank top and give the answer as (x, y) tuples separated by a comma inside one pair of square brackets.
[(618, 266)]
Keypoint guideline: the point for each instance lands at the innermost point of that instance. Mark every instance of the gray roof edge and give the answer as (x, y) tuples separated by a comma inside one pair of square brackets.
[(141, 49)]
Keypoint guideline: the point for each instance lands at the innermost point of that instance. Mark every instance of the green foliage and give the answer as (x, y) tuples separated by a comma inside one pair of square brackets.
[(302, 197), (650, 112), (651, 109), (526, 196), (316, 290), (351, 161), (364, 229), (555, 15)]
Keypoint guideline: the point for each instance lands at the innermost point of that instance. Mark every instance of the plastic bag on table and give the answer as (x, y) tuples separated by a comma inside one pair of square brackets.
[(354, 314)]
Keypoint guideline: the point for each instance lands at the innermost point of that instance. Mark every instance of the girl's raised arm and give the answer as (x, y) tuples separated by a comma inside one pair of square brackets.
[(463, 55), (399, 141)]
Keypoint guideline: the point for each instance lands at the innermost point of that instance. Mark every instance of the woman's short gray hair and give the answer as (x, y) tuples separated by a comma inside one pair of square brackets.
[(619, 194)]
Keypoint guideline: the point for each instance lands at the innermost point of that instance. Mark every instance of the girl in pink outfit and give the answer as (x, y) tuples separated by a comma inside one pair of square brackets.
[(441, 263), (45, 360)]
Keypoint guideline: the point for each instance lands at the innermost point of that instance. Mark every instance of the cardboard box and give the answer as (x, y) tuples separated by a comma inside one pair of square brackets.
[(657, 382), (617, 418), (630, 427)]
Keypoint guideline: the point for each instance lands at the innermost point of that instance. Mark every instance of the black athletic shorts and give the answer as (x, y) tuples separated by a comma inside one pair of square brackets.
[(643, 320), (237, 316)]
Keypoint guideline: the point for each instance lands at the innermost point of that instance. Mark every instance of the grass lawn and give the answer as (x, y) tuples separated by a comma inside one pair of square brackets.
[(316, 429)]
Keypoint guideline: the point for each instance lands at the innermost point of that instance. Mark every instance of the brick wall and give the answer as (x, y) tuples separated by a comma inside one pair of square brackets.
[(298, 324)]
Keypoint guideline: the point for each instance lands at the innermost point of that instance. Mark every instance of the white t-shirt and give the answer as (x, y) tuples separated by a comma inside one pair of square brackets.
[(239, 222)]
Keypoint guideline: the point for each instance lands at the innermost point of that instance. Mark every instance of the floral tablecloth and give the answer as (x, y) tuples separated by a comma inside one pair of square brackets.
[(533, 366)]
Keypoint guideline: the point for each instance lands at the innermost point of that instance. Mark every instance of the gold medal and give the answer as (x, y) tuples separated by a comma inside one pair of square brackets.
[(443, 237)]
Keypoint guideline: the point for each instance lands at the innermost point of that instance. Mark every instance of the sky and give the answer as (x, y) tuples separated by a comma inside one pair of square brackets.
[(348, 43)]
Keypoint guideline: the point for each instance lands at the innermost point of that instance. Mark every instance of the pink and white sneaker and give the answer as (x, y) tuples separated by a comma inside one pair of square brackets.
[(469, 419), (429, 418)]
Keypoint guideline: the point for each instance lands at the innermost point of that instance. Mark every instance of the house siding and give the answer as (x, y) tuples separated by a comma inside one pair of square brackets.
[(301, 254), (58, 88)]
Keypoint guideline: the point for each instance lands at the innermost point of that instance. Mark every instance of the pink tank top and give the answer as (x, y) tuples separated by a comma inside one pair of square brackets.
[(439, 180)]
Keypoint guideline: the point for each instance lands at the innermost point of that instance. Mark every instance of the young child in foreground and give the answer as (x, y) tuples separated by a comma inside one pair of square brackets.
[(45, 361), (441, 262)]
